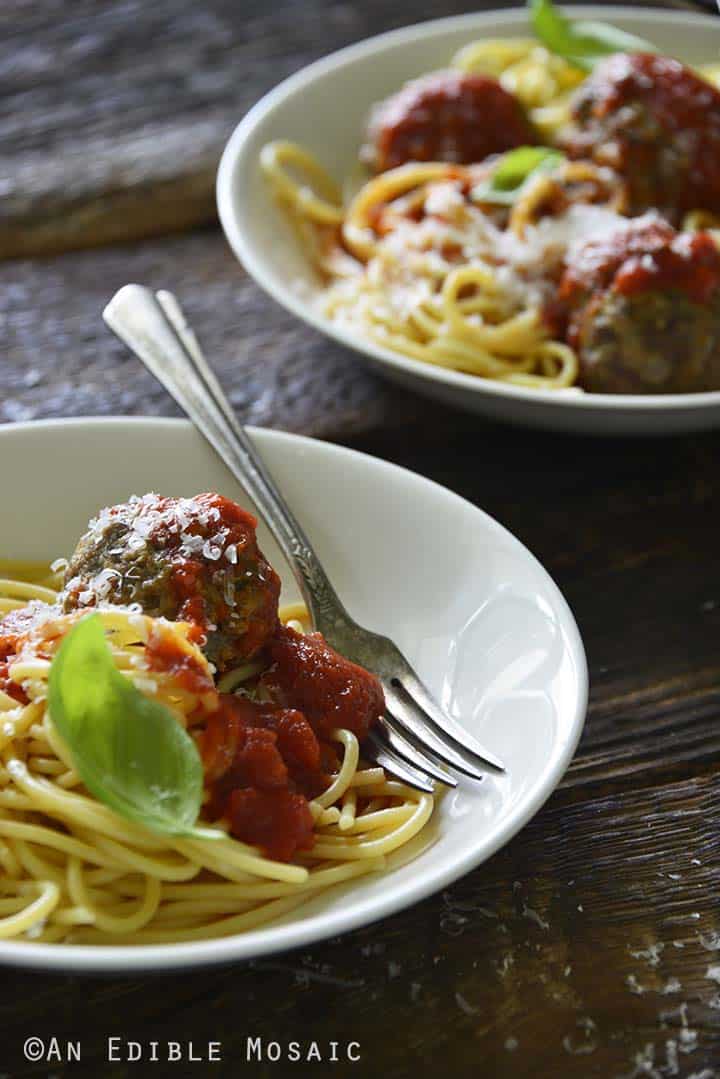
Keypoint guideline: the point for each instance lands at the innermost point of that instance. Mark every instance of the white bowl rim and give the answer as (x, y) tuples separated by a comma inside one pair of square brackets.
[(254, 264), (132, 959)]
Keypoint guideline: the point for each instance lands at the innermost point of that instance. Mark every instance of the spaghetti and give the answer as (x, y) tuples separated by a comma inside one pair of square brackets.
[(74, 871), (430, 289), (415, 260)]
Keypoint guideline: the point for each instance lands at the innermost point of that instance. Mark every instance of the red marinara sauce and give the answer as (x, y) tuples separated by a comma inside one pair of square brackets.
[(13, 628), (262, 763), (648, 255), (331, 691), (207, 602), (165, 654), (656, 123), (446, 116)]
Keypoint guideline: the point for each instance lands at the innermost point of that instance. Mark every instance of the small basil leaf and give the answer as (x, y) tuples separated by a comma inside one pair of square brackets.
[(513, 171), (582, 42), (514, 167), (129, 750)]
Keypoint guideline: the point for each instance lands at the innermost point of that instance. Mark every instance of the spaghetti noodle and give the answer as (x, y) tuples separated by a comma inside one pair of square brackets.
[(74, 871), (430, 289)]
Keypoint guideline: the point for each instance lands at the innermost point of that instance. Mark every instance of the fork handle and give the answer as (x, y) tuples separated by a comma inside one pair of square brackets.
[(155, 329)]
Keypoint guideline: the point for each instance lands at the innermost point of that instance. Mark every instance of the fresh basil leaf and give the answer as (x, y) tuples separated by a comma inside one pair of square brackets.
[(513, 171), (129, 750), (515, 166), (582, 42)]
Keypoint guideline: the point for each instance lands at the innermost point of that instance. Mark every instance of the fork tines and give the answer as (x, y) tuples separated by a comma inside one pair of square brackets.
[(381, 753), (416, 710), (392, 737)]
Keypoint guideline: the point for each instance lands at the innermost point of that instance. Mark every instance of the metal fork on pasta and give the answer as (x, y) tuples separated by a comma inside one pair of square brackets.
[(416, 739)]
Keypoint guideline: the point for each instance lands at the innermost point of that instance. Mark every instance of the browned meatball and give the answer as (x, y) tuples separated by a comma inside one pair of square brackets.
[(446, 116), (658, 124), (642, 308), (191, 559)]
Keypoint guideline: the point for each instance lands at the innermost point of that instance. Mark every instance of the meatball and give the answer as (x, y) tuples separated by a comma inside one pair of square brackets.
[(656, 123), (642, 309), (446, 116), (190, 559)]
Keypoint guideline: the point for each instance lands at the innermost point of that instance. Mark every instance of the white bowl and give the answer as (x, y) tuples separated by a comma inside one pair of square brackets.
[(471, 607), (325, 107)]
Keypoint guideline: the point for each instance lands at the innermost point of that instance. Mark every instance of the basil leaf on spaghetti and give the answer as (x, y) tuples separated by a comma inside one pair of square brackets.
[(512, 172), (581, 42), (128, 749)]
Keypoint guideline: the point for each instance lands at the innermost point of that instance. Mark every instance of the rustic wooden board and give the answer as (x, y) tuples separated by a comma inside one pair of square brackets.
[(113, 113)]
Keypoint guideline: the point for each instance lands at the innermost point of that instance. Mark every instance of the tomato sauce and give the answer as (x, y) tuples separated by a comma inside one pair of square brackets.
[(13, 628), (226, 527), (262, 763), (447, 116), (645, 256), (330, 690), (12, 689), (186, 578), (165, 655), (279, 822)]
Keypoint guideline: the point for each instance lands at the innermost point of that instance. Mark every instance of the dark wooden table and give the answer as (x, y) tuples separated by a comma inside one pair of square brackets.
[(584, 948)]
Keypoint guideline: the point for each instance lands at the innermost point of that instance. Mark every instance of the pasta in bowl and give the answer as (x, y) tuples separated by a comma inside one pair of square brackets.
[(488, 630), (439, 254)]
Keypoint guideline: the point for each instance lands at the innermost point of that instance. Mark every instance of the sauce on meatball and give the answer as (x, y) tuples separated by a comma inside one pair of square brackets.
[(656, 123), (641, 306), (191, 559), (446, 116), (648, 254)]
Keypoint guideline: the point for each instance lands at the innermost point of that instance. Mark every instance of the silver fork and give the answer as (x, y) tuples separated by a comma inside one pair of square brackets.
[(416, 740)]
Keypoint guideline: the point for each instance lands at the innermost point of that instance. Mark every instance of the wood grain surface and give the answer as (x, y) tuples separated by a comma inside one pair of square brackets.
[(113, 115), (61, 360), (588, 947)]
